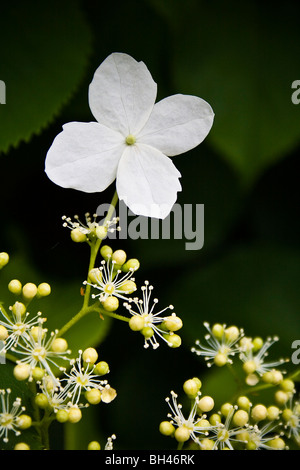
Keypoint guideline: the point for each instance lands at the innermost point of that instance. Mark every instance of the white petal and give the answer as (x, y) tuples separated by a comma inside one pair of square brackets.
[(177, 124), (84, 156), (122, 93), (147, 181)]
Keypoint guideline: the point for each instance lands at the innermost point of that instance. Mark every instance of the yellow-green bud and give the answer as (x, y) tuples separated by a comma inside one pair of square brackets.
[(173, 323), (240, 418), (78, 236), (111, 303), (74, 415), (43, 289), (215, 419), (273, 412), (259, 412), (130, 139), (94, 445), (106, 252), (257, 343), (41, 400), (62, 416), (23, 421), (231, 333), (249, 366), (38, 373), (59, 345), (166, 428), (287, 385), (206, 404), (243, 403), (37, 332), (101, 232), (95, 275), (90, 355), (220, 359), (287, 414), (136, 323), (29, 291), (277, 443), (4, 259), (18, 309), (182, 434), (15, 286), (21, 446), (119, 257), (147, 331), (93, 396), (191, 387), (207, 444), (108, 394), (21, 371), (226, 408), (3, 333), (281, 397), (217, 330), (132, 264), (101, 368), (174, 341), (128, 287)]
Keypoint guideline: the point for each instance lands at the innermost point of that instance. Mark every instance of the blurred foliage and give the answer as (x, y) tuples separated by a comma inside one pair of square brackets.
[(241, 57)]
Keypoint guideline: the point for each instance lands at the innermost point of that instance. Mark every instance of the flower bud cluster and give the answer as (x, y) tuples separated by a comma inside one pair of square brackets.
[(91, 230)]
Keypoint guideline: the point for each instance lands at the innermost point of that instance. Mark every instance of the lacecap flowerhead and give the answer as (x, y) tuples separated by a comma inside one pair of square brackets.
[(132, 140)]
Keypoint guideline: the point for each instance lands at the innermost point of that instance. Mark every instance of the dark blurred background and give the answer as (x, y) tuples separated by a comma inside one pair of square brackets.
[(241, 57)]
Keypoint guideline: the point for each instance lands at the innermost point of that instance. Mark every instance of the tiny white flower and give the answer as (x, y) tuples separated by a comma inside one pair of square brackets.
[(91, 225), (223, 434), (256, 360), (151, 320), (132, 139), (109, 444), (9, 415)]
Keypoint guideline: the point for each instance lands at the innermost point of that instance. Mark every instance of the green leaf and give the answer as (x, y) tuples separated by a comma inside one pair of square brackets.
[(44, 54), (240, 57)]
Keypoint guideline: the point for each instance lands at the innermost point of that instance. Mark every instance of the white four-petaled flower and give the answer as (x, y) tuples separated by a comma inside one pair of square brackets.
[(132, 139)]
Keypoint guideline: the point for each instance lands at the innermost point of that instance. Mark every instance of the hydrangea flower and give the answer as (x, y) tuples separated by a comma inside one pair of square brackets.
[(132, 139)]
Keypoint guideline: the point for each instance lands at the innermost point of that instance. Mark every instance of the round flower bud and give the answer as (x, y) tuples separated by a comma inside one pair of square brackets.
[(259, 412), (281, 397), (182, 434), (78, 236), (231, 333), (38, 373), (74, 415), (215, 419), (95, 275), (18, 308), (23, 422), (93, 396), (287, 414), (166, 428), (277, 443), (37, 332), (15, 286), (226, 408), (174, 341), (136, 323), (119, 256), (41, 400), (29, 291), (287, 385), (257, 343), (59, 345), (173, 323), (90, 355), (273, 412), (21, 446), (128, 287), (249, 366), (191, 387), (101, 232), (62, 416), (111, 303), (240, 418), (106, 252), (132, 264), (206, 404), (101, 368), (207, 444), (243, 403), (147, 331), (94, 445), (108, 394), (4, 259), (3, 333), (21, 371), (217, 330), (220, 359), (43, 289)]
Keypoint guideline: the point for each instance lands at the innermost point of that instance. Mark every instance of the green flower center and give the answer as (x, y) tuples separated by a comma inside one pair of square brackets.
[(130, 139)]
